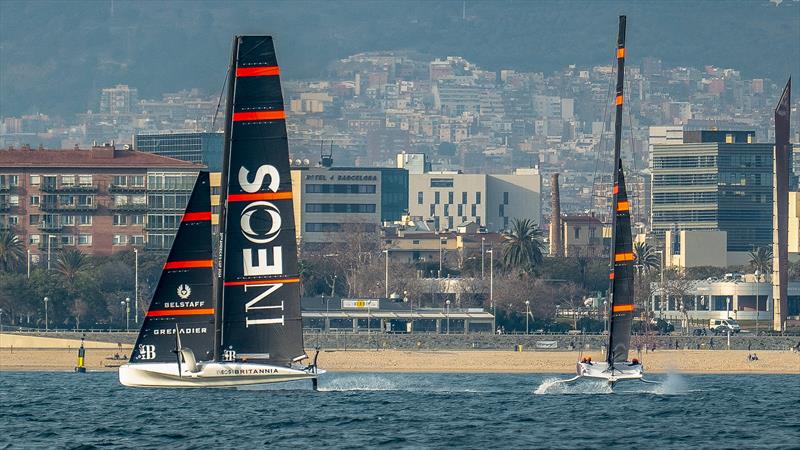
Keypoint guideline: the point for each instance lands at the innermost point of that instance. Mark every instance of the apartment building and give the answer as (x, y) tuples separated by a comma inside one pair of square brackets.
[(99, 200)]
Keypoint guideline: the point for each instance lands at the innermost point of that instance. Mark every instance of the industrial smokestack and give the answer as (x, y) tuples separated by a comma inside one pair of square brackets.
[(556, 248)]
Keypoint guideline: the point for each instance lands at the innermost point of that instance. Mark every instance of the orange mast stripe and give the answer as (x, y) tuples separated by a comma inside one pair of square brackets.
[(619, 100), (191, 264), (260, 71), (616, 189), (259, 115), (623, 206), (621, 257), (272, 281), (611, 276), (196, 216), (622, 308), (180, 312), (285, 195), (621, 52)]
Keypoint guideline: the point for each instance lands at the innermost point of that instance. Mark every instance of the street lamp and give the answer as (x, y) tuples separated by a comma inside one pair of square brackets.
[(758, 291), (440, 256), (127, 305), (411, 305), (448, 316), (46, 299), (333, 286), (136, 285), (29, 263), (49, 238), (727, 307), (483, 241), (527, 314), (605, 315), (491, 289), (386, 275)]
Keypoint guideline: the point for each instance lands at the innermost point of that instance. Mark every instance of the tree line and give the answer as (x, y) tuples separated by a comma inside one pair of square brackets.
[(86, 291)]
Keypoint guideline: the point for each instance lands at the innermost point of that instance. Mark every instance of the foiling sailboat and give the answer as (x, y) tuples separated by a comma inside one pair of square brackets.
[(617, 367), (237, 321)]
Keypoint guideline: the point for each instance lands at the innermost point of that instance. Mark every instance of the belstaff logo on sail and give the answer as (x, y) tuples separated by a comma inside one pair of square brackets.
[(184, 291)]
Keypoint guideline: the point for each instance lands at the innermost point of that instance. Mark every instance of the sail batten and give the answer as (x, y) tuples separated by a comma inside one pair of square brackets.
[(622, 256), (258, 284), (183, 300)]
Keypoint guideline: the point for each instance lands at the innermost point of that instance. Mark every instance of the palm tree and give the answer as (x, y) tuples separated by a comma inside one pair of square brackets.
[(646, 258), (761, 259), (12, 251), (72, 262), (522, 246)]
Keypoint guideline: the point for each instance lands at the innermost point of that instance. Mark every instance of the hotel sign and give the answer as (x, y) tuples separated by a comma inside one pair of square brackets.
[(359, 304)]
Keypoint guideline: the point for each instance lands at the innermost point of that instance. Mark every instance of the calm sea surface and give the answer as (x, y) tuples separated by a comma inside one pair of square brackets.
[(64, 410)]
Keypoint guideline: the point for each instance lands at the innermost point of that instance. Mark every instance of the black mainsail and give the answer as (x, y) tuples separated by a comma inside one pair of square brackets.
[(257, 283), (622, 258), (183, 300)]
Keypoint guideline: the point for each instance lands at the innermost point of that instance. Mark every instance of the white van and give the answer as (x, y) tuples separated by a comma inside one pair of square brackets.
[(724, 325)]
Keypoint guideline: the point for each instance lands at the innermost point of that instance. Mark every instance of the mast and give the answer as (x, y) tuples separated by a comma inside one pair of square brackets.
[(223, 203), (621, 277)]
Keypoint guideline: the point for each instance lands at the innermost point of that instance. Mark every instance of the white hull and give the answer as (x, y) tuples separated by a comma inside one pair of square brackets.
[(601, 371), (210, 374)]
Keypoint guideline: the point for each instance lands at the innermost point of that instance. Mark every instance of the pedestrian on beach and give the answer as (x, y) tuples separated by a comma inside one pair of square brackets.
[(712, 343), (749, 344)]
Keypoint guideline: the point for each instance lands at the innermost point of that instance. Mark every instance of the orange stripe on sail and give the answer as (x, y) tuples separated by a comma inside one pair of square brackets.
[(621, 257), (622, 308), (621, 52), (272, 281), (619, 100), (258, 115), (261, 71), (180, 312), (616, 189), (623, 206), (285, 195), (196, 216), (191, 264), (611, 276)]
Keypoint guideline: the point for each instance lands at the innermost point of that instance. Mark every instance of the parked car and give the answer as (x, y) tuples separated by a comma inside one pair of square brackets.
[(722, 326), (699, 332)]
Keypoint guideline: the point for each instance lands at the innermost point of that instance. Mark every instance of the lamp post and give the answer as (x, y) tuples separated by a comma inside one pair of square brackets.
[(49, 238), (483, 241), (136, 285), (411, 305), (527, 315), (440, 256), (386, 275), (46, 299), (448, 316), (127, 305), (333, 286), (727, 307), (29, 263), (758, 291), (491, 289), (605, 315)]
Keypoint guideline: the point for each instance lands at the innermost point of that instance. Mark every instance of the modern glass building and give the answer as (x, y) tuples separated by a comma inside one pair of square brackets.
[(197, 147), (714, 180)]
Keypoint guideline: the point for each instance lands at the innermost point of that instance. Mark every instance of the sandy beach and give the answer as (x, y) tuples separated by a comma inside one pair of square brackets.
[(99, 356)]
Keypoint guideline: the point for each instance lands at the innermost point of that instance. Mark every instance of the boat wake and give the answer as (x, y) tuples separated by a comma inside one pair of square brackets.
[(555, 386), (672, 384)]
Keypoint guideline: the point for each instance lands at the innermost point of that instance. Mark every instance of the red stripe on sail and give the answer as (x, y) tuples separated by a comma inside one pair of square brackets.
[(272, 281), (259, 115), (191, 264), (196, 216), (260, 71), (180, 312), (285, 195)]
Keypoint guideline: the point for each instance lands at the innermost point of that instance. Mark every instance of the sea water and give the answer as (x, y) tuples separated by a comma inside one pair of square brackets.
[(409, 410)]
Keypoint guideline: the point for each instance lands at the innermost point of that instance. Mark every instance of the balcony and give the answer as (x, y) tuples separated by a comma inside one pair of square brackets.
[(6, 187), (5, 206), (53, 206), (52, 187), (130, 207), (50, 226), (116, 188)]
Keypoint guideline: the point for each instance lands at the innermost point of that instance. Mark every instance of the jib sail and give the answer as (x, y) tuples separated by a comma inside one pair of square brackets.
[(183, 300), (622, 257), (259, 291)]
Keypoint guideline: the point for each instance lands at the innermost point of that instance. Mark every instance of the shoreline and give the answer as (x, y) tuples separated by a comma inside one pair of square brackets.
[(712, 362)]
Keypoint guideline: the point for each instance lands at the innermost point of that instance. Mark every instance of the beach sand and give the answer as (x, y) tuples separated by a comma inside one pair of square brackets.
[(476, 361)]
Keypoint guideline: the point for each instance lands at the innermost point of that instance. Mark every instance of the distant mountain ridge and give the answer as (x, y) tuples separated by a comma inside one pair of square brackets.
[(55, 55)]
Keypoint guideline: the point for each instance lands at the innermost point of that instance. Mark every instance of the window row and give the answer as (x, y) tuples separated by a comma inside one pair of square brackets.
[(340, 207)]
